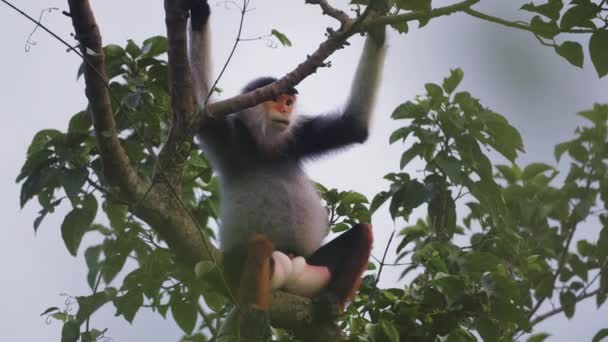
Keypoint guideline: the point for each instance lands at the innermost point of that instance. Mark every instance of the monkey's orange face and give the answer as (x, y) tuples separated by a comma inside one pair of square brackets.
[(281, 111)]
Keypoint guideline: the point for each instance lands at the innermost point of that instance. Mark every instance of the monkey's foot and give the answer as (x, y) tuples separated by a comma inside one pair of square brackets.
[(295, 276), (326, 307)]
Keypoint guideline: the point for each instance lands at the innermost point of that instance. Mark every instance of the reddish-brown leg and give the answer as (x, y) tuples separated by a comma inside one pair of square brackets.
[(254, 285)]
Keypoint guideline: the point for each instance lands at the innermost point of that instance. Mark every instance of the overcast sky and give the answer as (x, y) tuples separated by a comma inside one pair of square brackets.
[(508, 70)]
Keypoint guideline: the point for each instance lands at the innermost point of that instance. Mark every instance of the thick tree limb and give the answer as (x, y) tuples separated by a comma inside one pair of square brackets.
[(160, 209), (116, 165), (182, 101)]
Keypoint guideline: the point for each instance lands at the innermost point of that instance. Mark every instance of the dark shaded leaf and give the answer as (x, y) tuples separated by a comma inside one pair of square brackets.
[(550, 9), (450, 83), (408, 110), (572, 52), (184, 312), (129, 304), (77, 222), (578, 15), (568, 302), (538, 337), (534, 169), (544, 29), (70, 331), (155, 46), (598, 50), (600, 335)]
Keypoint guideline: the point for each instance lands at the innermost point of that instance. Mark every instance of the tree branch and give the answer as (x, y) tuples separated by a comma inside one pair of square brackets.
[(555, 311), (514, 24), (182, 100), (334, 42), (434, 13), (331, 11), (116, 165), (158, 207)]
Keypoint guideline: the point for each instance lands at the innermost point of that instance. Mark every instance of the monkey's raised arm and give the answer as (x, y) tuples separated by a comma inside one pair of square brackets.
[(316, 135), (200, 50)]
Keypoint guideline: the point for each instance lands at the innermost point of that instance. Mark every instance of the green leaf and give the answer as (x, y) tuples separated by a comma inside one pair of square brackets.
[(480, 262), (215, 301), (281, 38), (578, 151), (400, 134), (538, 337), (534, 169), (49, 310), (132, 49), (407, 156), (340, 227), (578, 15), (43, 138), (488, 329), (450, 83), (408, 110), (129, 304), (602, 243), (72, 181), (77, 222), (402, 27), (80, 123), (450, 166), (155, 46), (511, 174), (598, 115), (203, 268), (600, 335), (115, 58), (572, 52), (598, 50), (550, 10), (434, 91), (378, 200), (544, 29), (70, 331), (87, 305), (415, 5), (578, 266), (184, 312), (568, 302), (390, 331), (117, 214), (560, 149)]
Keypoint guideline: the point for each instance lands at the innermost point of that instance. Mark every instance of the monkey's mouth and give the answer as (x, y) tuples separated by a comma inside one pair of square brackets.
[(284, 122)]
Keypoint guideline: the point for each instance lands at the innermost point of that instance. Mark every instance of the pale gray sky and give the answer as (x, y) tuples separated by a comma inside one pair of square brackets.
[(533, 87)]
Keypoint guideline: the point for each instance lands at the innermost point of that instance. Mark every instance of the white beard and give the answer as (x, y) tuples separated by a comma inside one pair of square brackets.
[(268, 137)]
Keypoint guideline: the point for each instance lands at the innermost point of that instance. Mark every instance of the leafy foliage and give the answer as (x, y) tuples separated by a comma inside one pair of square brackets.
[(494, 243)]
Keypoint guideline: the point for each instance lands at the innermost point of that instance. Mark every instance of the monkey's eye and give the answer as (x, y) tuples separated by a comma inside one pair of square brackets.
[(289, 102)]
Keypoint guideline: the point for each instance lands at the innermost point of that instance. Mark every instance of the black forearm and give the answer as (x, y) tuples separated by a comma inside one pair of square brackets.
[(315, 136)]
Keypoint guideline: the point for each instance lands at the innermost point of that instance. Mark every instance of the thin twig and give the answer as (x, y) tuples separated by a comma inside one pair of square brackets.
[(388, 245), (514, 24), (555, 311), (331, 11)]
